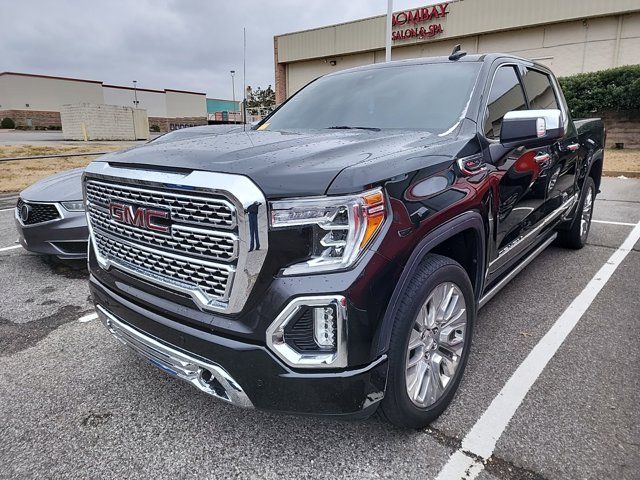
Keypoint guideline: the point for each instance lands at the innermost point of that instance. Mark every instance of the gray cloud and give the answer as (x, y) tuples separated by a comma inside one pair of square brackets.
[(181, 44)]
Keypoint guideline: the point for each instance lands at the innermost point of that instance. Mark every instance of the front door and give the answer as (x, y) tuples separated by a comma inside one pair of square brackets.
[(521, 174)]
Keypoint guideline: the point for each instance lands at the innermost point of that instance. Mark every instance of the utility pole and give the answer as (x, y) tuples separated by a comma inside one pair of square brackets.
[(244, 78), (387, 56), (233, 93), (135, 93)]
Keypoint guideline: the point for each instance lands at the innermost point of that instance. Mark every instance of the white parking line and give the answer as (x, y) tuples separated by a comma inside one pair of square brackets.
[(88, 317), (7, 209), (12, 247), (481, 440), (614, 223)]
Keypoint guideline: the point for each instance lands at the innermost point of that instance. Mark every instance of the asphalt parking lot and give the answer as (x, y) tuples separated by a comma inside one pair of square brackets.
[(76, 404)]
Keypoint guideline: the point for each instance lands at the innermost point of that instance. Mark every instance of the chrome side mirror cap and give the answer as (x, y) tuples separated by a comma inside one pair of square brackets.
[(532, 127)]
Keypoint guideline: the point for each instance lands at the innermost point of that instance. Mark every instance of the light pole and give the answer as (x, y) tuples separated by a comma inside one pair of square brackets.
[(135, 93), (233, 93), (389, 29)]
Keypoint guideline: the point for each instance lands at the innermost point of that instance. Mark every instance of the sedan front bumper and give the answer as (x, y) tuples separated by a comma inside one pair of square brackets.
[(65, 237)]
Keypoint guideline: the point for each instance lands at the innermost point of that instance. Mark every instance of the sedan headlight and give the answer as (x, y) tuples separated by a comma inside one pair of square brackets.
[(74, 206), (343, 227)]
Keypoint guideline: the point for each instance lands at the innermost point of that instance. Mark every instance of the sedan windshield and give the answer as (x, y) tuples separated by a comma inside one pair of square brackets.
[(429, 97)]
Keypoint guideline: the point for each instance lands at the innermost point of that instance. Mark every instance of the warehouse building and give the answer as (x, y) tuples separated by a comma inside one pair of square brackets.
[(223, 111), (569, 36), (35, 101)]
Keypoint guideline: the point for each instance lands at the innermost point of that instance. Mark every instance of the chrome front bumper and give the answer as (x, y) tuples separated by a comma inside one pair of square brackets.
[(205, 376)]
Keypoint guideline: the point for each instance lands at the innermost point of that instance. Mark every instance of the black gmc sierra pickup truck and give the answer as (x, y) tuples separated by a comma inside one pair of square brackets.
[(332, 259)]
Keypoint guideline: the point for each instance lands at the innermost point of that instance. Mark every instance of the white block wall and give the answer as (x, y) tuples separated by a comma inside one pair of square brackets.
[(101, 122)]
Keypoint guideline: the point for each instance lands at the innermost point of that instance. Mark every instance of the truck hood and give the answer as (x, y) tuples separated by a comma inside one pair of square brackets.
[(61, 187), (282, 164)]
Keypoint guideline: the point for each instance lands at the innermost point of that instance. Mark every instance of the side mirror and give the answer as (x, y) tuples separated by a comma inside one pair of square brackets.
[(532, 127)]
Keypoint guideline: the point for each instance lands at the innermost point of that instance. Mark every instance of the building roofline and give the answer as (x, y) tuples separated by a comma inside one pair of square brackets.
[(97, 82), (18, 74), (131, 88), (223, 99), (183, 91)]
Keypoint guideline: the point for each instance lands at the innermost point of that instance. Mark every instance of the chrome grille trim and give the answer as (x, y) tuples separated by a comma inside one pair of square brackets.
[(173, 260), (187, 208)]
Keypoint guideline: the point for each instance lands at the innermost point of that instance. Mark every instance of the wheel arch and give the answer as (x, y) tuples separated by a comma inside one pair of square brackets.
[(469, 223), (595, 168)]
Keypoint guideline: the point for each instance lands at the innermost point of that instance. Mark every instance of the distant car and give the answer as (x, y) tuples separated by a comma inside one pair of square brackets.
[(50, 215)]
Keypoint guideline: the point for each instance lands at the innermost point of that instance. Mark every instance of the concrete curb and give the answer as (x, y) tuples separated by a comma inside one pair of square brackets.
[(614, 173)]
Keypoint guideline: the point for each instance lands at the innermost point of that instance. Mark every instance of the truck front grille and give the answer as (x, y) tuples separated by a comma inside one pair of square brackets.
[(211, 279), (186, 231), (199, 252), (194, 241), (188, 208)]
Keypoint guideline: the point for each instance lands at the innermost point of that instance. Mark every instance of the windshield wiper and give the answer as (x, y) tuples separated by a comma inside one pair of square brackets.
[(347, 127)]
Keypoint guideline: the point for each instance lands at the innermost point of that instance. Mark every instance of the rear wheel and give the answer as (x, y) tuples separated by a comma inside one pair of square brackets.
[(429, 343), (576, 236)]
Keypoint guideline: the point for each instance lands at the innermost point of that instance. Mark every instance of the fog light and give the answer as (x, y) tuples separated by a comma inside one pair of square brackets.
[(324, 326)]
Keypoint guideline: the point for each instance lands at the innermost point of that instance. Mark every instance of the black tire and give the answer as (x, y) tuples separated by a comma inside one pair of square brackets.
[(575, 237), (396, 407)]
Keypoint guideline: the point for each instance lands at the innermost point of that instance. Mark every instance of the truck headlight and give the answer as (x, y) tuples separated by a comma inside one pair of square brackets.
[(343, 227)]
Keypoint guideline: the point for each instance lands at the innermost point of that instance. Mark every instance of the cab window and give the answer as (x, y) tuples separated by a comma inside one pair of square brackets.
[(505, 95), (539, 90)]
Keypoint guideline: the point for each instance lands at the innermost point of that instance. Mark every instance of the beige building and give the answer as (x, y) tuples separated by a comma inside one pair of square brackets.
[(569, 36), (35, 101)]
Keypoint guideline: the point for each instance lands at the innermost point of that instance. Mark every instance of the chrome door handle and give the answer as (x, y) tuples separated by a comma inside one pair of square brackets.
[(573, 147), (542, 159)]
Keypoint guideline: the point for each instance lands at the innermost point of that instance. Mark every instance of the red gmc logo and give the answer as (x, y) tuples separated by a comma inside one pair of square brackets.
[(140, 217)]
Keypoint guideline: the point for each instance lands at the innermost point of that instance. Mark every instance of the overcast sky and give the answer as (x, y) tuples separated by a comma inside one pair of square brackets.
[(180, 44)]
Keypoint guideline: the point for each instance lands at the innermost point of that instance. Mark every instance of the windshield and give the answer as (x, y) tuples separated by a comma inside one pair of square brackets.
[(428, 97)]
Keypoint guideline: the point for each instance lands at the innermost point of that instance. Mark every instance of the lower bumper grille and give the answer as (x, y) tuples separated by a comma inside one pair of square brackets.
[(207, 377)]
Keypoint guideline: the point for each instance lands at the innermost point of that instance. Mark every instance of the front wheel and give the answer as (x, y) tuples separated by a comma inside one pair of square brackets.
[(429, 344)]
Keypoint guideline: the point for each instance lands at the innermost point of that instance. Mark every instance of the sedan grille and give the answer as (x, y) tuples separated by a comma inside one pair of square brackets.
[(37, 212)]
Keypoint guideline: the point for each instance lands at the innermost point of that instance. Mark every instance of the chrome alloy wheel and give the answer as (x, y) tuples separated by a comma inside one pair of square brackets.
[(585, 218), (436, 344)]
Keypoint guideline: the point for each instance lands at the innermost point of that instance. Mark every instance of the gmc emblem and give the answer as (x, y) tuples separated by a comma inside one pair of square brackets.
[(140, 217)]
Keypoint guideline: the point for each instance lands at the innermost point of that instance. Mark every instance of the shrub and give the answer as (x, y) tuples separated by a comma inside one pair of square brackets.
[(616, 89), (154, 128), (7, 123)]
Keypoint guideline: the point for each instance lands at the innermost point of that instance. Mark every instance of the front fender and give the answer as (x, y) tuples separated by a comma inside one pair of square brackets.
[(471, 220)]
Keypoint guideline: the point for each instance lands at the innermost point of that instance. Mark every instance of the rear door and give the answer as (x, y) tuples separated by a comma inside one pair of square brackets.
[(559, 178), (520, 173)]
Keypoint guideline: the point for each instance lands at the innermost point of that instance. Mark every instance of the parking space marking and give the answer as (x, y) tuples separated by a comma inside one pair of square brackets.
[(614, 223), (88, 317), (7, 209), (478, 445), (12, 247)]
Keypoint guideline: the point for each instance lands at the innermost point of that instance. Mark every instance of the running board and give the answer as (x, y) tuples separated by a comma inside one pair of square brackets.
[(491, 293)]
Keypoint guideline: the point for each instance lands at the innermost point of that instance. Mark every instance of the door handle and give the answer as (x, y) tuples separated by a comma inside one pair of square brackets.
[(542, 159), (573, 147)]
